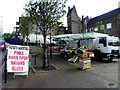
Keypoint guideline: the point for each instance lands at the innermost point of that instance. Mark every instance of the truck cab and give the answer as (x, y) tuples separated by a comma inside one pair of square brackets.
[(108, 47)]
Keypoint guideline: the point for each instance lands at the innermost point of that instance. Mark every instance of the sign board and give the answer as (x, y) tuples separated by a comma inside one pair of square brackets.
[(18, 58)]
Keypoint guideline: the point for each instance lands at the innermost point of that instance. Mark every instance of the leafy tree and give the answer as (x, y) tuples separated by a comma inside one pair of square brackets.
[(45, 13), (101, 28), (25, 26), (5, 35)]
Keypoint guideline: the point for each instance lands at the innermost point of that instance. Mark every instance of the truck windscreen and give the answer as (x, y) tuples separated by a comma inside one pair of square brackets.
[(117, 43)]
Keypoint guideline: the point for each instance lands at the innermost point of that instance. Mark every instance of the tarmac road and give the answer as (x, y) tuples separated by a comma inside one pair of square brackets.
[(101, 75)]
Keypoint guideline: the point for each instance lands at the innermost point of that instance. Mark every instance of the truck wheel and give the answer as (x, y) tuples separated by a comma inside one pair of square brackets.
[(98, 55), (92, 58)]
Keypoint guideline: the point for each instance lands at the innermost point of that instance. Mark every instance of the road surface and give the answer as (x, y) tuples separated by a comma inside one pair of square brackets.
[(103, 74)]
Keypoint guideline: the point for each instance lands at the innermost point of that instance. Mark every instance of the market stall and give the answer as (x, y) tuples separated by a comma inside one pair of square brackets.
[(84, 58)]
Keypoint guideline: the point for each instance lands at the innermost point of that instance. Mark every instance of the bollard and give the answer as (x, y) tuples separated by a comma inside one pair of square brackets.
[(5, 70), (50, 51)]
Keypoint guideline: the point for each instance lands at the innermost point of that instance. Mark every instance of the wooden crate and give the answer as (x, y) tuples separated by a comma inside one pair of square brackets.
[(85, 64)]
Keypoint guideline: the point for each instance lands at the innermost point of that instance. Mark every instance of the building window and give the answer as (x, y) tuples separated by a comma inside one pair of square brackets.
[(102, 27), (109, 26), (101, 40)]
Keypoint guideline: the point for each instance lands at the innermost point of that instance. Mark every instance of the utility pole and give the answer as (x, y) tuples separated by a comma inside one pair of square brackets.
[(5, 69), (36, 35), (17, 31), (83, 26)]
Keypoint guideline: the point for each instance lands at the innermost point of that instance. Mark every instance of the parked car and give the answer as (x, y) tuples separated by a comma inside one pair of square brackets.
[(59, 45), (2, 45)]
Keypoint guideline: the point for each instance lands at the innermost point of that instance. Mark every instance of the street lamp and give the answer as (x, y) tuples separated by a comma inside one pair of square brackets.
[(36, 35), (83, 25)]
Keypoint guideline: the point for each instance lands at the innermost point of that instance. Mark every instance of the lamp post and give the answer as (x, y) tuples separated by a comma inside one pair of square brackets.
[(83, 25), (36, 35)]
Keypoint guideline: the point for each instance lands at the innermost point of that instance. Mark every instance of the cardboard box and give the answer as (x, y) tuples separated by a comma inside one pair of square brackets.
[(85, 55), (86, 58), (85, 64)]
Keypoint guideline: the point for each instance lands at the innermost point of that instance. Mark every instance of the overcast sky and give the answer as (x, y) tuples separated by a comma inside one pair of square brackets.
[(10, 10)]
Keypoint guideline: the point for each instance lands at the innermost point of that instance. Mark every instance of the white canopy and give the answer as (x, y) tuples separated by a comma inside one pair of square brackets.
[(73, 36)]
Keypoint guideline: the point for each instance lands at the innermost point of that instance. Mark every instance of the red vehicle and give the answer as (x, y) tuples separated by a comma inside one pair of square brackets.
[(61, 44), (2, 45)]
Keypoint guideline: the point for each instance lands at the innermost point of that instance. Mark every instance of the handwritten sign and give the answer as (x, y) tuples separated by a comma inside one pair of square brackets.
[(18, 58)]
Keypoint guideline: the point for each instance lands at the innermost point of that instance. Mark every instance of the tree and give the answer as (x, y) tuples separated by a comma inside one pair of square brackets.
[(5, 35), (100, 27), (43, 13), (25, 26)]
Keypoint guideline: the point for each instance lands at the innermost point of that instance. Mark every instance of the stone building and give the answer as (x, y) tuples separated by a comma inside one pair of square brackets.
[(119, 4), (110, 21), (73, 21)]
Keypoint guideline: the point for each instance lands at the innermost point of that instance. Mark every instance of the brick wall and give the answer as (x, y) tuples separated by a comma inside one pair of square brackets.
[(115, 25)]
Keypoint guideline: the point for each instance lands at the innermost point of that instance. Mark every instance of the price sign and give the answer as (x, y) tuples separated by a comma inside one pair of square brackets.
[(18, 58)]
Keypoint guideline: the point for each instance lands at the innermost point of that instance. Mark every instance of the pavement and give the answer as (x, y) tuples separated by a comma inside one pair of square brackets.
[(66, 75)]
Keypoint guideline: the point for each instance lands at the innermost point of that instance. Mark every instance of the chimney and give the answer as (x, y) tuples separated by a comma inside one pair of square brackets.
[(68, 8), (73, 6)]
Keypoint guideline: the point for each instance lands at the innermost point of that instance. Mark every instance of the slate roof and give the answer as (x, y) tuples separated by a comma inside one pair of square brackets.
[(69, 12), (105, 16)]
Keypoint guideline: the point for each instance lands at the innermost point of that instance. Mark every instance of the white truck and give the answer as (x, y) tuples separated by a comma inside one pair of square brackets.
[(103, 45), (40, 39)]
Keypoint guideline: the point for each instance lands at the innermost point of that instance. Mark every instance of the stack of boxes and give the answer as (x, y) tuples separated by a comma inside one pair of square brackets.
[(85, 64), (85, 60)]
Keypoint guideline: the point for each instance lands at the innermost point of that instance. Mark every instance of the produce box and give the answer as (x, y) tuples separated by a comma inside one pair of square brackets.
[(87, 58), (85, 55), (82, 56), (85, 64), (90, 54), (74, 59)]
